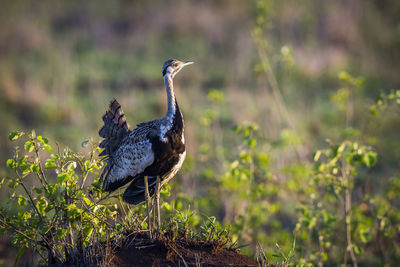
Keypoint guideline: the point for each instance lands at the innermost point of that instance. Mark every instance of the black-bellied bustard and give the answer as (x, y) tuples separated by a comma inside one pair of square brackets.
[(147, 156)]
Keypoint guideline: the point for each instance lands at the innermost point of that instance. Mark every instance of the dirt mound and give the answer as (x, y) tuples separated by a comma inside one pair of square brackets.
[(142, 251)]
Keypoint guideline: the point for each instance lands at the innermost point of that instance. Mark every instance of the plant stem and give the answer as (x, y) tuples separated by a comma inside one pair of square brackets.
[(41, 172), (157, 196), (250, 197), (347, 210), (30, 198), (147, 196)]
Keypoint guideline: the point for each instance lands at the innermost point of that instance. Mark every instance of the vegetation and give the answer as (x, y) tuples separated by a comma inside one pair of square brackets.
[(54, 215), (291, 123), (65, 219)]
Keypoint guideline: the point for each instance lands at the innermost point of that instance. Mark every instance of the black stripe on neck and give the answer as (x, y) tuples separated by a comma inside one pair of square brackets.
[(177, 121)]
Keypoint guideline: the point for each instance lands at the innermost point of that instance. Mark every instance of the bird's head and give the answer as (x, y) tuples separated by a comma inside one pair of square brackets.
[(173, 66)]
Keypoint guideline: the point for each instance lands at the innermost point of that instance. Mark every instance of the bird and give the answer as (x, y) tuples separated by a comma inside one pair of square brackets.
[(147, 156)]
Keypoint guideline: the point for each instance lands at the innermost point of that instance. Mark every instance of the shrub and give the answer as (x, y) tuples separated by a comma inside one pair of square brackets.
[(52, 208)]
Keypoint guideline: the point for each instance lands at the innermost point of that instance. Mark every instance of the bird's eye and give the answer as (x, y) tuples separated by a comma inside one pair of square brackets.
[(175, 65)]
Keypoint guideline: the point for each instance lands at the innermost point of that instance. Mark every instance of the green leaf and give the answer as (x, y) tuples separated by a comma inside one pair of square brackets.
[(41, 205), (78, 194), (324, 256), (87, 201), (48, 147), (316, 155), (38, 190), (72, 166), (357, 249), (11, 164), (15, 135), (252, 142), (54, 156), (88, 230), (41, 139), (49, 207), (35, 168), (29, 146), (21, 201), (2, 181), (313, 223), (87, 165), (341, 148), (167, 206), (32, 134), (63, 177), (23, 166), (50, 164), (13, 183), (245, 157), (165, 192), (370, 159), (365, 235)]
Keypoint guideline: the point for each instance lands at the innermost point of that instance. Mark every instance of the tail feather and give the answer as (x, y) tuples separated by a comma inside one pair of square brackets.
[(114, 129), (135, 193)]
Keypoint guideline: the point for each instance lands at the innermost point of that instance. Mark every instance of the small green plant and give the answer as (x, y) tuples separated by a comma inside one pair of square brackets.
[(285, 259), (51, 206), (186, 222), (335, 172)]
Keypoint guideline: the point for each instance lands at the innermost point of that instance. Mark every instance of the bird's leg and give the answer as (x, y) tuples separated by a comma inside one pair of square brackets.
[(158, 188), (153, 207), (147, 196)]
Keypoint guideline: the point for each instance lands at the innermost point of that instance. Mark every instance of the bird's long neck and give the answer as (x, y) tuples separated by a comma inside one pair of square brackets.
[(169, 88), (173, 120)]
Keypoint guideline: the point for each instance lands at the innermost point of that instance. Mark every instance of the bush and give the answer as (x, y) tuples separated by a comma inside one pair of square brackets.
[(52, 208)]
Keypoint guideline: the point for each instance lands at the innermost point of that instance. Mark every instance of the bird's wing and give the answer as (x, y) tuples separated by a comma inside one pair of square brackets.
[(131, 158), (128, 161)]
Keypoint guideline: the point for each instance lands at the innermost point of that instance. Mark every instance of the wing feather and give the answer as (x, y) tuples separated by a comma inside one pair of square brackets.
[(128, 161), (132, 156)]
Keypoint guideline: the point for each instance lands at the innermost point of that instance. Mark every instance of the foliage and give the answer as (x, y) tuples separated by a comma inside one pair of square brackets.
[(56, 211), (333, 183), (52, 208)]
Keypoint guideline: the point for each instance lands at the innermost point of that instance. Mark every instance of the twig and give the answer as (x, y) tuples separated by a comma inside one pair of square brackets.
[(41, 176), (30, 197), (177, 253)]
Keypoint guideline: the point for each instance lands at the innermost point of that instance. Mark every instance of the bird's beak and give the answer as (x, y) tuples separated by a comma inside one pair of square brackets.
[(188, 63)]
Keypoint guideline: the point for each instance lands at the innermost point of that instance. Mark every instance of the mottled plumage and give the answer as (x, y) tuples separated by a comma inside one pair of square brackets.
[(154, 149)]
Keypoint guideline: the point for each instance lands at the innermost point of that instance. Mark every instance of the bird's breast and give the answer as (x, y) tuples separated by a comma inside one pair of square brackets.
[(169, 153), (166, 177)]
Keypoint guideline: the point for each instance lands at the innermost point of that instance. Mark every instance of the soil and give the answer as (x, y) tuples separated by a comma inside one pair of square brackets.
[(142, 251)]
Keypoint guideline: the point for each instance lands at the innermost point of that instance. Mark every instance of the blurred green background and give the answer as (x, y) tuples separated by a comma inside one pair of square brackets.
[(295, 73)]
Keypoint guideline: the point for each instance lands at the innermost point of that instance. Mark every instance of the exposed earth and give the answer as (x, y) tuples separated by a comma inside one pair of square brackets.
[(139, 250)]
